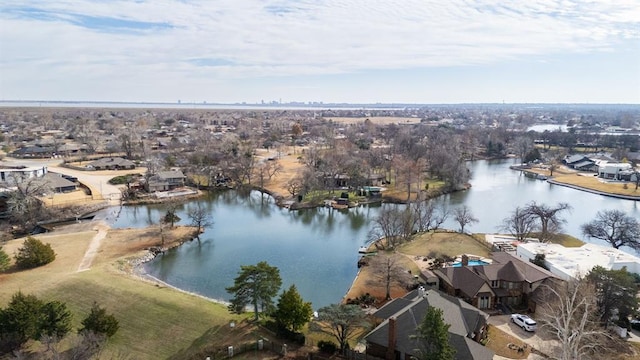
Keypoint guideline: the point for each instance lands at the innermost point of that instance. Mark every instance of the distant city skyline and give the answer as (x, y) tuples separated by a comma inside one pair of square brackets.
[(332, 51)]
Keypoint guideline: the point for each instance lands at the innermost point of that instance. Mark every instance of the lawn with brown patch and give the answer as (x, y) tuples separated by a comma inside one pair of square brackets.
[(506, 345)]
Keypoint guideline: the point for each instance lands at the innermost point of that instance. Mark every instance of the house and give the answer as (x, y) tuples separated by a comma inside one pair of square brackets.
[(111, 163), (571, 262), (58, 183), (34, 152), (393, 338), (13, 174), (165, 180), (615, 171), (508, 281), (580, 163)]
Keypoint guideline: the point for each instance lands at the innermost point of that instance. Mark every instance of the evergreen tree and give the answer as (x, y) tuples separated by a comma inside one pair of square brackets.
[(255, 285), (55, 320), (5, 260), (615, 293), (99, 322), (34, 253), (20, 321), (433, 337), (292, 312)]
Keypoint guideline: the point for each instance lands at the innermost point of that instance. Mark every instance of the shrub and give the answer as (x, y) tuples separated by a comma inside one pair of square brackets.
[(5, 260), (99, 322), (327, 346), (34, 253), (121, 180)]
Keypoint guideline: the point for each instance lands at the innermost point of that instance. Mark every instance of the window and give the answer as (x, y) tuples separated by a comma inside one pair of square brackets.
[(485, 302), (495, 283)]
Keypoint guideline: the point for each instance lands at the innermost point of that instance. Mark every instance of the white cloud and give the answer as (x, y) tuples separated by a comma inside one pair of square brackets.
[(251, 38)]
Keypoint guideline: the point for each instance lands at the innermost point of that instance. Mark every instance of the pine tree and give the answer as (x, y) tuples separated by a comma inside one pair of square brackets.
[(5, 260), (433, 337), (292, 312), (255, 285)]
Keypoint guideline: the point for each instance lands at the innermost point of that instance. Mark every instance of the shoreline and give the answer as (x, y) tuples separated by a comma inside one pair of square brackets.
[(593, 191)]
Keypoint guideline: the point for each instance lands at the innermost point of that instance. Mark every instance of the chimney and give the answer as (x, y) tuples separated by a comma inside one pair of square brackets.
[(465, 260), (391, 346)]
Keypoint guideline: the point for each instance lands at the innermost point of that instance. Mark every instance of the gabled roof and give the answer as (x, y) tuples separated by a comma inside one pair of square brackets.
[(531, 272), (111, 161), (462, 278), (172, 174), (464, 321)]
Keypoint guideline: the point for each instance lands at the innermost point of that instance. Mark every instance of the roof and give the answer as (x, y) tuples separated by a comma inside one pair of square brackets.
[(57, 181), (110, 161), (171, 174), (464, 321), (462, 278), (568, 262), (531, 272), (583, 163), (574, 159)]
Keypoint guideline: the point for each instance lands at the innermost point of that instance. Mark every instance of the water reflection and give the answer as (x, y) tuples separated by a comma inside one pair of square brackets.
[(317, 248)]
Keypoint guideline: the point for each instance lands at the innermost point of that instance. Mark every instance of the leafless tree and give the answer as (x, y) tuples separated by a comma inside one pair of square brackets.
[(464, 216), (387, 269), (266, 170), (423, 211), (200, 218), (388, 226), (294, 186), (23, 203), (522, 146), (569, 312), (614, 227), (549, 218), (520, 223), (441, 215), (87, 345)]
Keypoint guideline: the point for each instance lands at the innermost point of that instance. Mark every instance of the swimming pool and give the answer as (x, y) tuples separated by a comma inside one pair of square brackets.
[(471, 263)]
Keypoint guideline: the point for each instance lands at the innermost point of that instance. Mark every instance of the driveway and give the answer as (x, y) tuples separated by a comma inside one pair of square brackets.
[(537, 340)]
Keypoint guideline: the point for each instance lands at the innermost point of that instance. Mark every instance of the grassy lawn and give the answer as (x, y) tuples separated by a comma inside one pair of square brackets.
[(156, 322), (567, 240), (443, 243)]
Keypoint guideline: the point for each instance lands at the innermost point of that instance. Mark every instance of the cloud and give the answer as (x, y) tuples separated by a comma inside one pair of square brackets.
[(232, 39)]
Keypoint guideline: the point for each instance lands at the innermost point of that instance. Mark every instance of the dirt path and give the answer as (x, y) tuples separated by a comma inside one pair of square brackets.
[(94, 246)]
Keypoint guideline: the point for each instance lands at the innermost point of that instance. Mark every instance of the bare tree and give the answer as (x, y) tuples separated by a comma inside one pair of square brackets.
[(389, 226), (387, 270), (520, 223), (200, 218), (23, 204), (424, 212), (441, 215), (549, 218), (522, 146), (464, 216), (569, 311), (614, 227)]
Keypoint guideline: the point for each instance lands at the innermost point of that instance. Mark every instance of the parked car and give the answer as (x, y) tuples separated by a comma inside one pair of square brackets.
[(524, 321)]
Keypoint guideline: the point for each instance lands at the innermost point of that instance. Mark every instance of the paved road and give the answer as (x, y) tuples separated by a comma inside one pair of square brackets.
[(96, 181)]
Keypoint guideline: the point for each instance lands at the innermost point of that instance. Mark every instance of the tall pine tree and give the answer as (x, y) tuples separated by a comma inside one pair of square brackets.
[(433, 337), (292, 312)]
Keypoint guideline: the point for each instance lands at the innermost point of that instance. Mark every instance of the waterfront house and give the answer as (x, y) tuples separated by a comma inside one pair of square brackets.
[(165, 180), (507, 281), (394, 337), (615, 171)]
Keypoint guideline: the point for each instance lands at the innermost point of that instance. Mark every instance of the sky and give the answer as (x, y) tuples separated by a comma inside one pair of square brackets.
[(331, 51)]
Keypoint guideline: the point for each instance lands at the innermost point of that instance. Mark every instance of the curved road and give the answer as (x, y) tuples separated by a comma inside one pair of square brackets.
[(96, 181)]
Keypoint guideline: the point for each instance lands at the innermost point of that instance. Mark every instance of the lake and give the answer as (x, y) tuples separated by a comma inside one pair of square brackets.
[(316, 249)]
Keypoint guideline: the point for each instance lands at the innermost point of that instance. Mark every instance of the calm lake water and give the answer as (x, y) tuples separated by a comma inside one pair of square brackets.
[(316, 249)]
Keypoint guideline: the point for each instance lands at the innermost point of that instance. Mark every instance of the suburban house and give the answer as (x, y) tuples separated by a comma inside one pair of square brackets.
[(571, 262), (165, 180), (393, 338), (111, 163), (615, 171), (507, 281), (580, 163), (12, 174), (58, 183), (34, 152)]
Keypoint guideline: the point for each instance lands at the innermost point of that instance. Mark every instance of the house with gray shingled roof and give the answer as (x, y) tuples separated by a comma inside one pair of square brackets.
[(394, 338)]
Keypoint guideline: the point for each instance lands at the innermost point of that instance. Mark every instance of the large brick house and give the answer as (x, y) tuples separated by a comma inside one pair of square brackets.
[(508, 281)]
